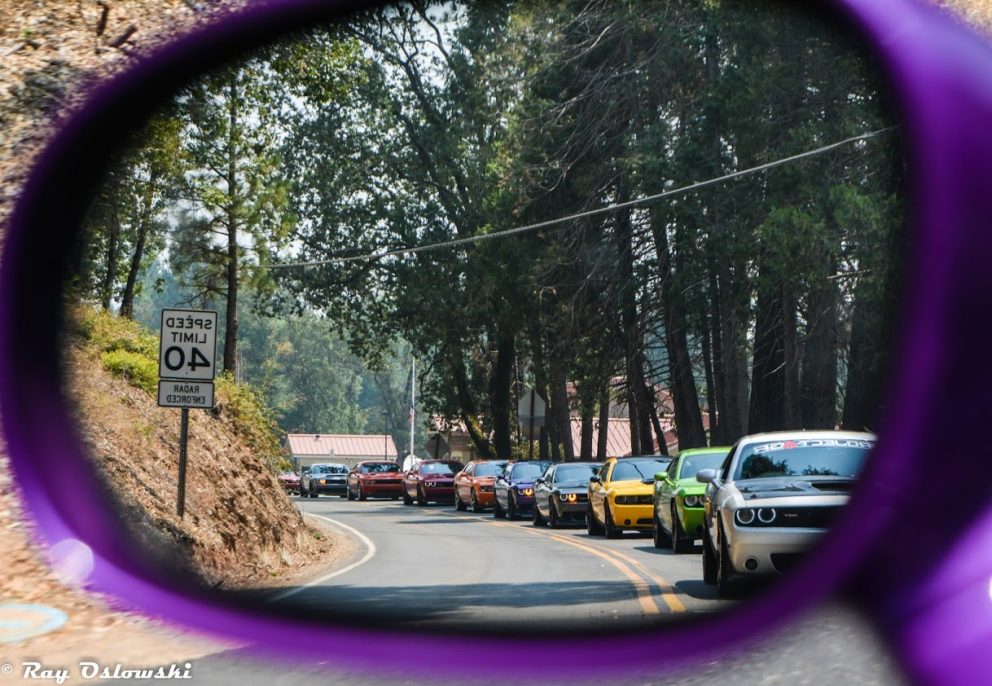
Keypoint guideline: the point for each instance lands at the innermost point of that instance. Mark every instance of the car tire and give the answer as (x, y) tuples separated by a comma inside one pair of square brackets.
[(312, 493), (552, 515), (609, 528), (351, 496), (303, 494), (725, 585), (407, 500), (657, 533), (361, 492), (511, 508), (421, 497), (680, 544), (709, 561), (498, 511), (476, 507), (592, 526), (459, 503), (537, 519)]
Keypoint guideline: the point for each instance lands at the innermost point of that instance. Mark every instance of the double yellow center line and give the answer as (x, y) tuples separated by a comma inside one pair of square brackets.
[(634, 570)]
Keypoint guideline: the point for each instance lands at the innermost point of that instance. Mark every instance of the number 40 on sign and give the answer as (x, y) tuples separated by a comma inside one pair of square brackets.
[(188, 345)]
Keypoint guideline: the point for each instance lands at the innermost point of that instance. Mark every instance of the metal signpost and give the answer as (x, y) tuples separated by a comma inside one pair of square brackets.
[(186, 353)]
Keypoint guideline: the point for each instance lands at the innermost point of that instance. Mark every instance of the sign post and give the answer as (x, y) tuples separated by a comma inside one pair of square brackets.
[(186, 354)]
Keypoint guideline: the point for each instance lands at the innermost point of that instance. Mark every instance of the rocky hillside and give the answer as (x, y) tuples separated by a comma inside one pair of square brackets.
[(240, 529)]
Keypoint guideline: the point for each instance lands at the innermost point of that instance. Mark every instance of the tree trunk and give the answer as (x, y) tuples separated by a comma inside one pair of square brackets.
[(688, 419), (603, 434), (127, 298), (560, 409), (234, 202), (469, 415), (113, 250), (818, 392), (501, 388)]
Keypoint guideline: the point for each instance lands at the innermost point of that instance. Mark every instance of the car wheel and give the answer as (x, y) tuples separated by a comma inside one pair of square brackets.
[(361, 492), (657, 533), (724, 572), (552, 515), (407, 500), (608, 527), (592, 526), (459, 503), (498, 511), (709, 560), (421, 497), (538, 520), (476, 507), (351, 496), (511, 508), (680, 544), (303, 494), (312, 493)]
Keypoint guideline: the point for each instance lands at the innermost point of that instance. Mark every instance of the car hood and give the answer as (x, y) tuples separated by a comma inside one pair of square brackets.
[(383, 475), (631, 488), (793, 486), (579, 487), (690, 487)]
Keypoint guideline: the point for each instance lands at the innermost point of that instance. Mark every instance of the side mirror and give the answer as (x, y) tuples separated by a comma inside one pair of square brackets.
[(706, 476), (661, 476), (595, 480)]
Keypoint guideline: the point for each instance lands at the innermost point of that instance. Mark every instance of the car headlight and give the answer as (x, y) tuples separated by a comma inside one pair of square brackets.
[(744, 516), (322, 482), (528, 491), (430, 484), (766, 515), (692, 501)]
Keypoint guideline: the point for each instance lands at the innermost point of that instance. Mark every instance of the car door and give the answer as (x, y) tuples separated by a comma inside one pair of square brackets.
[(597, 491), (463, 483), (665, 494), (542, 491), (711, 505)]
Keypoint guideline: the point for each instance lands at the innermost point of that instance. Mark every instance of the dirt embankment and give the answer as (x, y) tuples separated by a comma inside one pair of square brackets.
[(239, 529)]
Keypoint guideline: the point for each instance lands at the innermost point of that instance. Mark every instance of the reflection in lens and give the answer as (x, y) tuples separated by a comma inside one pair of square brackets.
[(457, 248)]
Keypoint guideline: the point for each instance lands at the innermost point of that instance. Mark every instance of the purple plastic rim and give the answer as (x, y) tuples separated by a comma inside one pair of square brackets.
[(933, 608)]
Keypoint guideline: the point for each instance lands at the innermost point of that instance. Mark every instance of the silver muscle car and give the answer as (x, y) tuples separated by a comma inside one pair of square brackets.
[(772, 497)]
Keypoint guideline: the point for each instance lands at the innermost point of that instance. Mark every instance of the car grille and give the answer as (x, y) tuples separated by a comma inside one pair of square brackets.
[(634, 499), (806, 517), (784, 561), (486, 489)]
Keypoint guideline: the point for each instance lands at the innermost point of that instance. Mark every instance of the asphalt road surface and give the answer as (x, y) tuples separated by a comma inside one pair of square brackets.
[(433, 567), (436, 567)]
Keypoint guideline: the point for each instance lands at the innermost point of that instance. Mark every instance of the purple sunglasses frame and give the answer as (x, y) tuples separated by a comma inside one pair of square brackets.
[(919, 562)]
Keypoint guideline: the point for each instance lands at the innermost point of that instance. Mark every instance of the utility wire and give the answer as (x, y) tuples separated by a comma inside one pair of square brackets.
[(583, 215)]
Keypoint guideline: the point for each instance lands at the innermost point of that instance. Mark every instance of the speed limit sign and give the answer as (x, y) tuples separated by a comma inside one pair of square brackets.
[(188, 345)]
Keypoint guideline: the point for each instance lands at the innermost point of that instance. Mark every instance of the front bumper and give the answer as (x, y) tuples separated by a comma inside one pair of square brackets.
[(485, 498), (770, 550), (439, 493), (692, 520), (390, 490), (637, 516), (335, 487), (576, 510)]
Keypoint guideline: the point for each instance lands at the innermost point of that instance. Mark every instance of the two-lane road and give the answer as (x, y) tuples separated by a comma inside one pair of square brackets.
[(432, 565)]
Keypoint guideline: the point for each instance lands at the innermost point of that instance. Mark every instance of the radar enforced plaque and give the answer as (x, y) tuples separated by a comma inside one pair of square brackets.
[(187, 349)]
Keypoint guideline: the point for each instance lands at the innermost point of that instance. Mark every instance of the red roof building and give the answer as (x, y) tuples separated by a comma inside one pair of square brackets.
[(349, 449)]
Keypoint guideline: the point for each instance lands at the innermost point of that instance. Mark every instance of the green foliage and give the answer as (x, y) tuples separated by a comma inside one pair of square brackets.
[(252, 418), (135, 367)]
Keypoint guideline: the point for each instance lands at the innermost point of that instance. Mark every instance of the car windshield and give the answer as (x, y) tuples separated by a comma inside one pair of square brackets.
[(575, 473), (488, 468), (336, 469), (639, 470), (804, 457), (381, 467), (528, 470), (696, 463), (442, 468)]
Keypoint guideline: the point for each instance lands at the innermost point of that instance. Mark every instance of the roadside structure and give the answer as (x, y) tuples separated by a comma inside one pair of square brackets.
[(348, 449)]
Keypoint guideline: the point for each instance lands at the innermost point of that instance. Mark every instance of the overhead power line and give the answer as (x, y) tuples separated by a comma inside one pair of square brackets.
[(638, 202)]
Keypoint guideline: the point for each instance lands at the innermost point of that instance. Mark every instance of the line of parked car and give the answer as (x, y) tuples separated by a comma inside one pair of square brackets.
[(757, 505)]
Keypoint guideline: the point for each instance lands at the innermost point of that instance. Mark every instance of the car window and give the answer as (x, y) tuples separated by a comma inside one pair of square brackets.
[(673, 466), (636, 471), (725, 467), (696, 463)]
